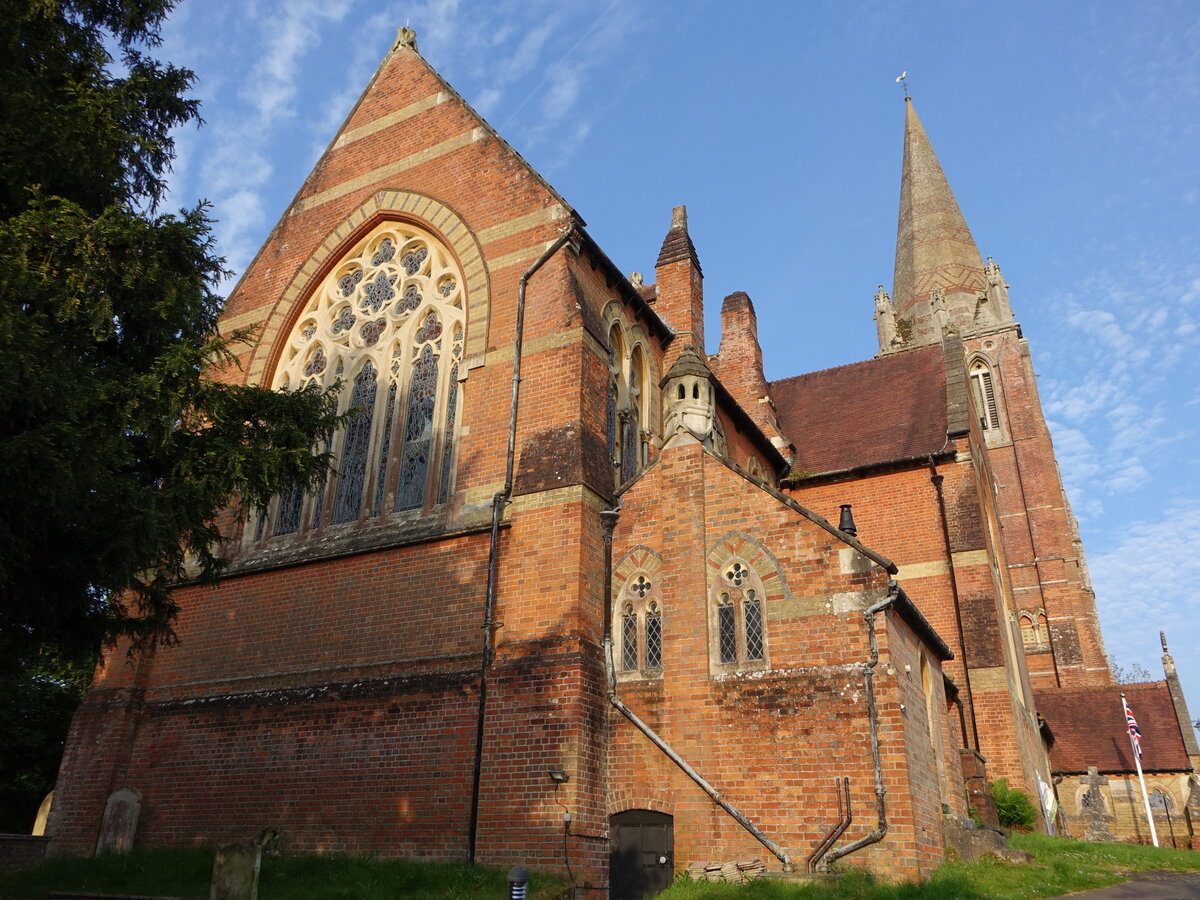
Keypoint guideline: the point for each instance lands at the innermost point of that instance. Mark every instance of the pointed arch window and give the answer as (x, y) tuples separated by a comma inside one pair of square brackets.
[(638, 628), (627, 415), (738, 623), (389, 322), (985, 396)]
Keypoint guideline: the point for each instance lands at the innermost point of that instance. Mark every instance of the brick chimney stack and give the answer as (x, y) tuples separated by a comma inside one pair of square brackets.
[(739, 366), (680, 288)]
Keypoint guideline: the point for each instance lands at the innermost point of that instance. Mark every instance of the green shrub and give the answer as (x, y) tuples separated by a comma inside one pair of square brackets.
[(1012, 805)]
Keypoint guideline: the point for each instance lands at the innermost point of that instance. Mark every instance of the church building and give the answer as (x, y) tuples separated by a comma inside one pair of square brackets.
[(584, 591)]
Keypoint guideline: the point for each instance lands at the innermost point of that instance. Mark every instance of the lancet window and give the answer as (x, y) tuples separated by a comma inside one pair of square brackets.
[(639, 632), (738, 620), (985, 396), (627, 405), (388, 322)]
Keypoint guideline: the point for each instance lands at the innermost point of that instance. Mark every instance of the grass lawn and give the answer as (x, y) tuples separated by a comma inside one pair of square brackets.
[(186, 873), (1062, 866)]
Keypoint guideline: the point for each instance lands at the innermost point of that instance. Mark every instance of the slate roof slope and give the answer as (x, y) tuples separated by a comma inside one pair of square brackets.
[(1089, 728), (865, 413)]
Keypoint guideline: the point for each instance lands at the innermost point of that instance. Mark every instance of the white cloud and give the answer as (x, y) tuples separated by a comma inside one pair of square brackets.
[(1145, 583)]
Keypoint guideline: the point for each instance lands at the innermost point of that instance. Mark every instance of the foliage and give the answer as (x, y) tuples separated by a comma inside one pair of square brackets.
[(1134, 673), (122, 436), (186, 872), (36, 704), (1013, 805)]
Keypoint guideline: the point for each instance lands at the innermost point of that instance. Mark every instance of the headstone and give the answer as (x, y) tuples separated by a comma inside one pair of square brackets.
[(1095, 821), (43, 813), (119, 826), (235, 872)]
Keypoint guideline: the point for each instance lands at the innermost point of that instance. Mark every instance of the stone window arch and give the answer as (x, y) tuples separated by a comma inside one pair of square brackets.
[(745, 582), (389, 323), (984, 389), (638, 608), (1161, 801), (630, 385), (1034, 629)]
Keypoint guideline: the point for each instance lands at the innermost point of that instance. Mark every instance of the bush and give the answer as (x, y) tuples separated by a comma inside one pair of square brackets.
[(1012, 805)]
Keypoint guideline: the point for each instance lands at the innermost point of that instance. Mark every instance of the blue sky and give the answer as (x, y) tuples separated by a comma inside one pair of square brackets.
[(1070, 133)]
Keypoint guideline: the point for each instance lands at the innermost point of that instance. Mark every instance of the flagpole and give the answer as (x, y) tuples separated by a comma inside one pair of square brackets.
[(1137, 761)]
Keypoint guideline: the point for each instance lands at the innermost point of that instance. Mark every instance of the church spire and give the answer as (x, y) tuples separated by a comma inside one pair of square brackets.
[(937, 262)]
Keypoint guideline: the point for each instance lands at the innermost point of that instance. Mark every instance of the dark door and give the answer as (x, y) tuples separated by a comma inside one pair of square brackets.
[(642, 856)]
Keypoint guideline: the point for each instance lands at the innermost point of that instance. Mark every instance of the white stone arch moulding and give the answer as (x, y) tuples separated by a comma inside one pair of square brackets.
[(420, 210)]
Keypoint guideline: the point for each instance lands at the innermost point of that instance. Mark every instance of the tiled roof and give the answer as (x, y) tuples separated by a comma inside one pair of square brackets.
[(1089, 728), (865, 413)]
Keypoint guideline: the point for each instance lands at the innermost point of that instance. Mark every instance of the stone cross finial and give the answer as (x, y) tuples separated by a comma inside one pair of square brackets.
[(679, 217), (635, 278), (406, 39)]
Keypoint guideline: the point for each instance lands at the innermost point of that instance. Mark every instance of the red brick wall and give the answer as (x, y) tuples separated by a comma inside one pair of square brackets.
[(766, 739)]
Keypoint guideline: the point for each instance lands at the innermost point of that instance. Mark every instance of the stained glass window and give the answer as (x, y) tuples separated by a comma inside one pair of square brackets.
[(611, 423), (418, 431), (384, 450), (352, 474), (739, 621), (290, 505), (391, 315)]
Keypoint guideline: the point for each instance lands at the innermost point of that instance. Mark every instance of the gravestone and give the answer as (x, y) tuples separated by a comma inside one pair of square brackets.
[(235, 872), (1095, 822), (119, 826)]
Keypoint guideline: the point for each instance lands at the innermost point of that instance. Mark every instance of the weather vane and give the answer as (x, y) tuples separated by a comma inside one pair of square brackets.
[(901, 80)]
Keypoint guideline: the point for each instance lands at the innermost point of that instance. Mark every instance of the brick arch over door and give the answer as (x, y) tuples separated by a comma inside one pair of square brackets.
[(656, 799), (381, 206)]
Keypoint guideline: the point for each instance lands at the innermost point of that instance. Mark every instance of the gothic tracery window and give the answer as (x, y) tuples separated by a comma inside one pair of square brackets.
[(389, 322), (638, 630), (627, 405), (738, 622)]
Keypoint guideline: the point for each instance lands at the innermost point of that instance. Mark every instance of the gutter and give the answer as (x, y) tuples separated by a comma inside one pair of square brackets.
[(868, 669)]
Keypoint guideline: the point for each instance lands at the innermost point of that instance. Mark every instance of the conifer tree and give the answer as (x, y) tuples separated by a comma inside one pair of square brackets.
[(124, 432)]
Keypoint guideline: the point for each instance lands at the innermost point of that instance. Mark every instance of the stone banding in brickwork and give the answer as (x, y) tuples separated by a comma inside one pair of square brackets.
[(391, 118), (386, 204), (389, 171)]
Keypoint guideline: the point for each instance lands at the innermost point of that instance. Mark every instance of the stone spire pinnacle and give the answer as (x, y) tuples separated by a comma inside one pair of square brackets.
[(934, 247)]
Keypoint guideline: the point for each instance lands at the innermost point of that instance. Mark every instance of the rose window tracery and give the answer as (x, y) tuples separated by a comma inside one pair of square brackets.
[(389, 319)]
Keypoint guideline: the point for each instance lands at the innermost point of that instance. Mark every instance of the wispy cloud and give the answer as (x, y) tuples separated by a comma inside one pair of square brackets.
[(1142, 584), (1133, 367)]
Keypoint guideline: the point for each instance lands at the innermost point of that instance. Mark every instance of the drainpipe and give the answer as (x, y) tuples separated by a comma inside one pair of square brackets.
[(869, 686), (936, 478), (609, 517), (499, 501)]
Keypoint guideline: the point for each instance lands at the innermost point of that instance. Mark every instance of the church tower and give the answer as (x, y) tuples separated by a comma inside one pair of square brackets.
[(943, 291)]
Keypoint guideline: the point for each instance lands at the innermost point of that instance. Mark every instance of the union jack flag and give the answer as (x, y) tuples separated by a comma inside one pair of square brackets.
[(1135, 733)]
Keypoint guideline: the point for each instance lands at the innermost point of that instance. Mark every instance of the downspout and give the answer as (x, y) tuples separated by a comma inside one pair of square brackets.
[(609, 517), (937, 478), (869, 686), (499, 501)]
